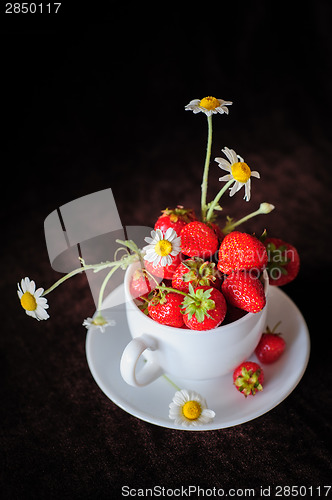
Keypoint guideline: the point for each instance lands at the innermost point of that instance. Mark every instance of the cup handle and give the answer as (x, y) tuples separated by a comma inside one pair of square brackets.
[(149, 372)]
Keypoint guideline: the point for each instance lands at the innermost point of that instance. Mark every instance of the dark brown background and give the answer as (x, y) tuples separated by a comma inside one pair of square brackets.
[(92, 102)]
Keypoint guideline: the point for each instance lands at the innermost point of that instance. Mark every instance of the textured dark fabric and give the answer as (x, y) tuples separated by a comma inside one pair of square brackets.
[(87, 109)]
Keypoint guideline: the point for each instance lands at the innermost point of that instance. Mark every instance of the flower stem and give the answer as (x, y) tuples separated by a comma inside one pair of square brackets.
[(77, 271), (103, 286), (264, 208), (123, 262), (204, 185), (169, 289), (217, 198), (172, 383)]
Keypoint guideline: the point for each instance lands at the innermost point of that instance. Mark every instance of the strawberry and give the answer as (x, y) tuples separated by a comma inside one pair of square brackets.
[(242, 290), (248, 378), (197, 272), (198, 240), (165, 272), (141, 284), (165, 309), (271, 346), (204, 308), (241, 251), (283, 261), (176, 218)]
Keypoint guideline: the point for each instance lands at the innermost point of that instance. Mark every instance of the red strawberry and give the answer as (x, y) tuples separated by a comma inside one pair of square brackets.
[(141, 284), (283, 261), (197, 272), (248, 378), (198, 240), (241, 251), (271, 346), (165, 309), (176, 218), (204, 308), (242, 290), (165, 272)]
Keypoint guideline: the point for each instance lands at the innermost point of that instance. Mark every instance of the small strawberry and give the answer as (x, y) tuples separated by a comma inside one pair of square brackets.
[(141, 283), (283, 261), (176, 218), (204, 308), (198, 240), (248, 378), (242, 290), (241, 251), (271, 346), (165, 308), (197, 272)]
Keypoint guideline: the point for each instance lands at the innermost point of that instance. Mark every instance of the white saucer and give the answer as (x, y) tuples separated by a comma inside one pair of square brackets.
[(150, 403)]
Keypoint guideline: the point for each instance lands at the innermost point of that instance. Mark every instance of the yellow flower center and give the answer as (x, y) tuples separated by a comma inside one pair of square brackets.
[(241, 172), (209, 103), (28, 302), (99, 321), (163, 248), (191, 410)]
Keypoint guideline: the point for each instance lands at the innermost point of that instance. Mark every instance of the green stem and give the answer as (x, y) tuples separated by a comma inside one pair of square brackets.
[(217, 198), (204, 185), (103, 286), (169, 289), (264, 208), (172, 383), (77, 271)]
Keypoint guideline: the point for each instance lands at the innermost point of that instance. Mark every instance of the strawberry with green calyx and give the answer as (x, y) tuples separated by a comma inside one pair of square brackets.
[(204, 308), (244, 291), (241, 251), (271, 346), (165, 307), (196, 271), (248, 378), (283, 261), (175, 218), (198, 240)]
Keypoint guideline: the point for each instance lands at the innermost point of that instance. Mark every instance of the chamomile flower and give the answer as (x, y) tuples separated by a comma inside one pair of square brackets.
[(98, 322), (31, 299), (189, 409), (208, 105), (238, 170), (162, 247)]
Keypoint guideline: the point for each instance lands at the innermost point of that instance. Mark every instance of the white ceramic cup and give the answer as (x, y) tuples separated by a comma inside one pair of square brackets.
[(182, 353)]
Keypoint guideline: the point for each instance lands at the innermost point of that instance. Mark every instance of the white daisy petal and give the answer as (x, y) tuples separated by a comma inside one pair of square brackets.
[(227, 177), (23, 286), (247, 187), (255, 174), (224, 164), (235, 188), (170, 234)]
